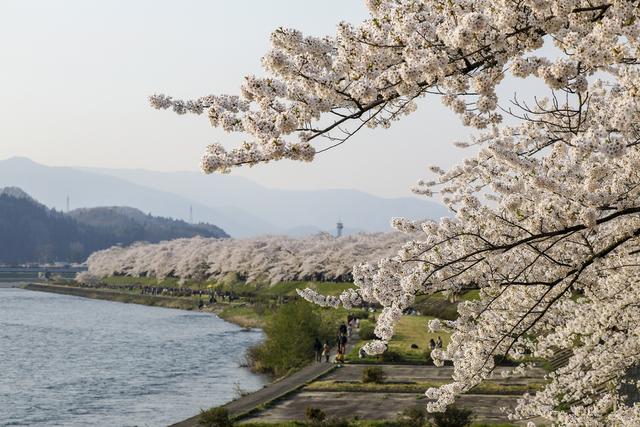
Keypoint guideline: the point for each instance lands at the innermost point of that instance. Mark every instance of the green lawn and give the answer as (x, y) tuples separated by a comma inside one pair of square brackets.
[(442, 307), (288, 289), (243, 315), (487, 387), (410, 330), (232, 283)]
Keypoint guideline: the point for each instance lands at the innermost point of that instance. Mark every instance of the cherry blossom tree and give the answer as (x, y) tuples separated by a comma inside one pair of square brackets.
[(546, 213), (269, 259)]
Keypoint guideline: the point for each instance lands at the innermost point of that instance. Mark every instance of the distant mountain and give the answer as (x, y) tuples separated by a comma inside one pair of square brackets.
[(52, 185), (239, 206), (129, 224), (31, 232), (286, 209)]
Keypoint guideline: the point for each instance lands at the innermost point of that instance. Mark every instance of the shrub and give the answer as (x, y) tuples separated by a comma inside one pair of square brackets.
[(290, 332), (314, 415), (366, 330), (336, 422), (413, 417), (452, 417), (391, 356), (373, 374), (215, 417)]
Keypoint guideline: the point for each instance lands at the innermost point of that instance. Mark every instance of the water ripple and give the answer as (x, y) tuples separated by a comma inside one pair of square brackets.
[(69, 361)]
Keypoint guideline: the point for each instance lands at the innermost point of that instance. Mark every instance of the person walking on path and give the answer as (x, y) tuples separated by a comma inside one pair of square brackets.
[(317, 348), (343, 344), (326, 351), (439, 342), (343, 329)]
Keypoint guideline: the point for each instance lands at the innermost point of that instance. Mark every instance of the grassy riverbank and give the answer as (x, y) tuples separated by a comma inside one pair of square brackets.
[(117, 296)]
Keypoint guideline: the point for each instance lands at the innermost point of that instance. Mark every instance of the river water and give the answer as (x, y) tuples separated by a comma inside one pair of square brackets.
[(70, 361)]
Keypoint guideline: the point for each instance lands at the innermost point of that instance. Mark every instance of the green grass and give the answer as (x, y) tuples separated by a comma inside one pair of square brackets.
[(232, 283), (487, 387), (440, 306), (288, 289), (243, 315), (410, 330)]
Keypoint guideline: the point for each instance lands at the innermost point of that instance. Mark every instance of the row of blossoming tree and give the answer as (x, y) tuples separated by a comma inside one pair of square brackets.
[(546, 213), (269, 259)]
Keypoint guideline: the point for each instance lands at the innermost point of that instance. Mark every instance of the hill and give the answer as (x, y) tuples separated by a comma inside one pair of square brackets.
[(130, 224), (31, 232)]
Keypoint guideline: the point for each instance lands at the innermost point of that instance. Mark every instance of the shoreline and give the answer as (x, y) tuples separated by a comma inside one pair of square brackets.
[(179, 303), (109, 295)]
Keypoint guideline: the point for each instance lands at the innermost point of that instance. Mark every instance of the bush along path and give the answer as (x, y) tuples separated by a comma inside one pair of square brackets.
[(276, 390)]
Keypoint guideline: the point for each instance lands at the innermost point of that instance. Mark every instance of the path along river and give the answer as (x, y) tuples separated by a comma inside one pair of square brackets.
[(70, 361)]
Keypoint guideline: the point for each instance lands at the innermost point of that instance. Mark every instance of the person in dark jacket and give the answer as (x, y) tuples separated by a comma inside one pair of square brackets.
[(317, 348)]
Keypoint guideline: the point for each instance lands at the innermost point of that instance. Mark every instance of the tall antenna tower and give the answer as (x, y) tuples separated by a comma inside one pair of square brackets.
[(190, 214), (339, 227), (67, 204)]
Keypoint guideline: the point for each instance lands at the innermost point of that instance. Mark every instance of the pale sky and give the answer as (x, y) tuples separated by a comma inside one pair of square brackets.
[(75, 76)]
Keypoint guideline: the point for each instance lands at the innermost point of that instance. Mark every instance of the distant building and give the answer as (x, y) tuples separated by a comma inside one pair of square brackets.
[(339, 227)]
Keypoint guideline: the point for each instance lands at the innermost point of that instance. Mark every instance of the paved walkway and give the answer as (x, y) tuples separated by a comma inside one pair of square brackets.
[(274, 390), (376, 406)]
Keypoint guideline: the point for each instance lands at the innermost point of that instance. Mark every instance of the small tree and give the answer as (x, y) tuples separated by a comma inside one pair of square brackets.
[(291, 332)]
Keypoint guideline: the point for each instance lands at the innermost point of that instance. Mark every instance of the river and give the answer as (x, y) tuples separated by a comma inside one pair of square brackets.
[(71, 361)]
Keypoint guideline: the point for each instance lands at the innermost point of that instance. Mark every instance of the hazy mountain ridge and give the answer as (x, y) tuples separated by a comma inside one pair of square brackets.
[(52, 185), (239, 206), (132, 224), (31, 232), (289, 210)]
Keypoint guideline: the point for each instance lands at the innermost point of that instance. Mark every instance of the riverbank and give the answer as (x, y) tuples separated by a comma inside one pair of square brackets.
[(117, 296), (239, 313)]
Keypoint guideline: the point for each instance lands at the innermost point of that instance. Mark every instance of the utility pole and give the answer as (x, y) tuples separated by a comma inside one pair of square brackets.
[(191, 214)]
